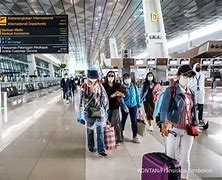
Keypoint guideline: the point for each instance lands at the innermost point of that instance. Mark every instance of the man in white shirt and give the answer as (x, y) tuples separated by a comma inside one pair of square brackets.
[(198, 88)]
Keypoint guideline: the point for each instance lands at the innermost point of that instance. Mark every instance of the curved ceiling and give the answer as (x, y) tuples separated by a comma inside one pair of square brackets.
[(93, 22)]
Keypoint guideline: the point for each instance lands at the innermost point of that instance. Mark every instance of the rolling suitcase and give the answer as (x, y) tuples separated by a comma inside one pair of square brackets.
[(159, 166)]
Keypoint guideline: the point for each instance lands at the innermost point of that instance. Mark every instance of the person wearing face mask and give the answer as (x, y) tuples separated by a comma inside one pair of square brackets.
[(94, 103), (72, 80), (129, 105), (149, 96), (198, 88), (177, 114), (114, 92), (66, 87)]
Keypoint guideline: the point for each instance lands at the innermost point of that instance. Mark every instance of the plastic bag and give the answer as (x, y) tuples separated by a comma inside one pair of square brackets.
[(80, 118), (141, 124)]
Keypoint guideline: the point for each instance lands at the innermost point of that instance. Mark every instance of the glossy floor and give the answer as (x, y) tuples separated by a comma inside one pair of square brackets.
[(41, 140)]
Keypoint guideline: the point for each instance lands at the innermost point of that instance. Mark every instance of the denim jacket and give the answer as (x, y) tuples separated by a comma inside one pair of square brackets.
[(171, 108)]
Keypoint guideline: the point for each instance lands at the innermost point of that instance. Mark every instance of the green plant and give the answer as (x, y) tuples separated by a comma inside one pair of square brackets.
[(62, 66)]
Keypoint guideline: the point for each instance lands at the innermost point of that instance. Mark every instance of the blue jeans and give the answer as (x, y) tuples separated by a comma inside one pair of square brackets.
[(100, 136), (66, 94), (133, 117)]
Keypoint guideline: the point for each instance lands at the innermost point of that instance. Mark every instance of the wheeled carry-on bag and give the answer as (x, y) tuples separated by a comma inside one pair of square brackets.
[(159, 166)]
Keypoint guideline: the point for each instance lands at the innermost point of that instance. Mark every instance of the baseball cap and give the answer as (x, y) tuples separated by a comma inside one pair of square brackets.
[(92, 73), (186, 70)]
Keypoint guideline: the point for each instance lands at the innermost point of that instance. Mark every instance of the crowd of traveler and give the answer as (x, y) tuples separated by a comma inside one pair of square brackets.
[(69, 86), (111, 101)]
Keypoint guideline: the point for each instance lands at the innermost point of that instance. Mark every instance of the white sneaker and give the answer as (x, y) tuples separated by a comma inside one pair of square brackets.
[(67, 101), (136, 140), (151, 128)]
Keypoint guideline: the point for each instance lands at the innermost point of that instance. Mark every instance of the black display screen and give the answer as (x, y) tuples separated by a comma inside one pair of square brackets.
[(34, 34)]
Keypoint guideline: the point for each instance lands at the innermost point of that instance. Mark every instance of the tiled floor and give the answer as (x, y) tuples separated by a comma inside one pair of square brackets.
[(42, 141), (52, 148)]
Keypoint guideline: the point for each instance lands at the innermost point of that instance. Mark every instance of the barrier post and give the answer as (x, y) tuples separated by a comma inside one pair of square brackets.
[(5, 99)]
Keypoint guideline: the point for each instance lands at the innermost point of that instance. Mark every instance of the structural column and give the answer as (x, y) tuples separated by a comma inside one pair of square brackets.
[(51, 70), (154, 29), (113, 48), (114, 53), (32, 65)]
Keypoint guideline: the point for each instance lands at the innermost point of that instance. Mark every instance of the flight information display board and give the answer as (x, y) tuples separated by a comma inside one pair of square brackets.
[(34, 34)]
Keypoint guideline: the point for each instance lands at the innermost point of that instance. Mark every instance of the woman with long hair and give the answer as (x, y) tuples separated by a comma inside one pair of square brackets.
[(149, 96), (113, 90)]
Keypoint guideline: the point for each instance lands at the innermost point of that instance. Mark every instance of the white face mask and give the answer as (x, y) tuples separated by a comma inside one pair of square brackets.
[(127, 81), (66, 77), (110, 79), (184, 81), (93, 81), (150, 78)]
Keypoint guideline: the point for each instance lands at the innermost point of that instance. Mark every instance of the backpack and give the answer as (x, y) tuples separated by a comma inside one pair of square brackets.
[(160, 102)]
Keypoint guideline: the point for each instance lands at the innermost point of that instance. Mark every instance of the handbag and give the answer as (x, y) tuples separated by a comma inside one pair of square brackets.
[(109, 137), (95, 110), (191, 130), (141, 125)]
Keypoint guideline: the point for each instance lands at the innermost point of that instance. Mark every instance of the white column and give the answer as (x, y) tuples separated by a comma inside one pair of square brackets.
[(102, 58), (51, 70), (32, 65), (154, 28), (113, 48), (188, 40)]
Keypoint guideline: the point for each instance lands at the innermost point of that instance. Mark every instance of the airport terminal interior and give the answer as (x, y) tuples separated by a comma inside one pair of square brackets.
[(57, 54)]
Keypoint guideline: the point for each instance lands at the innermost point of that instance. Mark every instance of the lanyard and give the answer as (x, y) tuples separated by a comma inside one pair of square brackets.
[(198, 80)]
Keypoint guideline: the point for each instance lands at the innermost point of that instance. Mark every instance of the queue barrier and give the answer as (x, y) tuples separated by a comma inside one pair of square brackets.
[(25, 92)]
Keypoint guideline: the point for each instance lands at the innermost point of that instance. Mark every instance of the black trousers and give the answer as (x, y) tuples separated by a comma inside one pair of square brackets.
[(200, 113)]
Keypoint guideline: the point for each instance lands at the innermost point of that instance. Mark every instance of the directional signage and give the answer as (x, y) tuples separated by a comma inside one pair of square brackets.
[(33, 34)]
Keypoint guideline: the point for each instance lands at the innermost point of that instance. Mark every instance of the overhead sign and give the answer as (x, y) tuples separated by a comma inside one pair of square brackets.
[(3, 21), (139, 62), (154, 17), (151, 61), (33, 34), (173, 61), (184, 61)]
